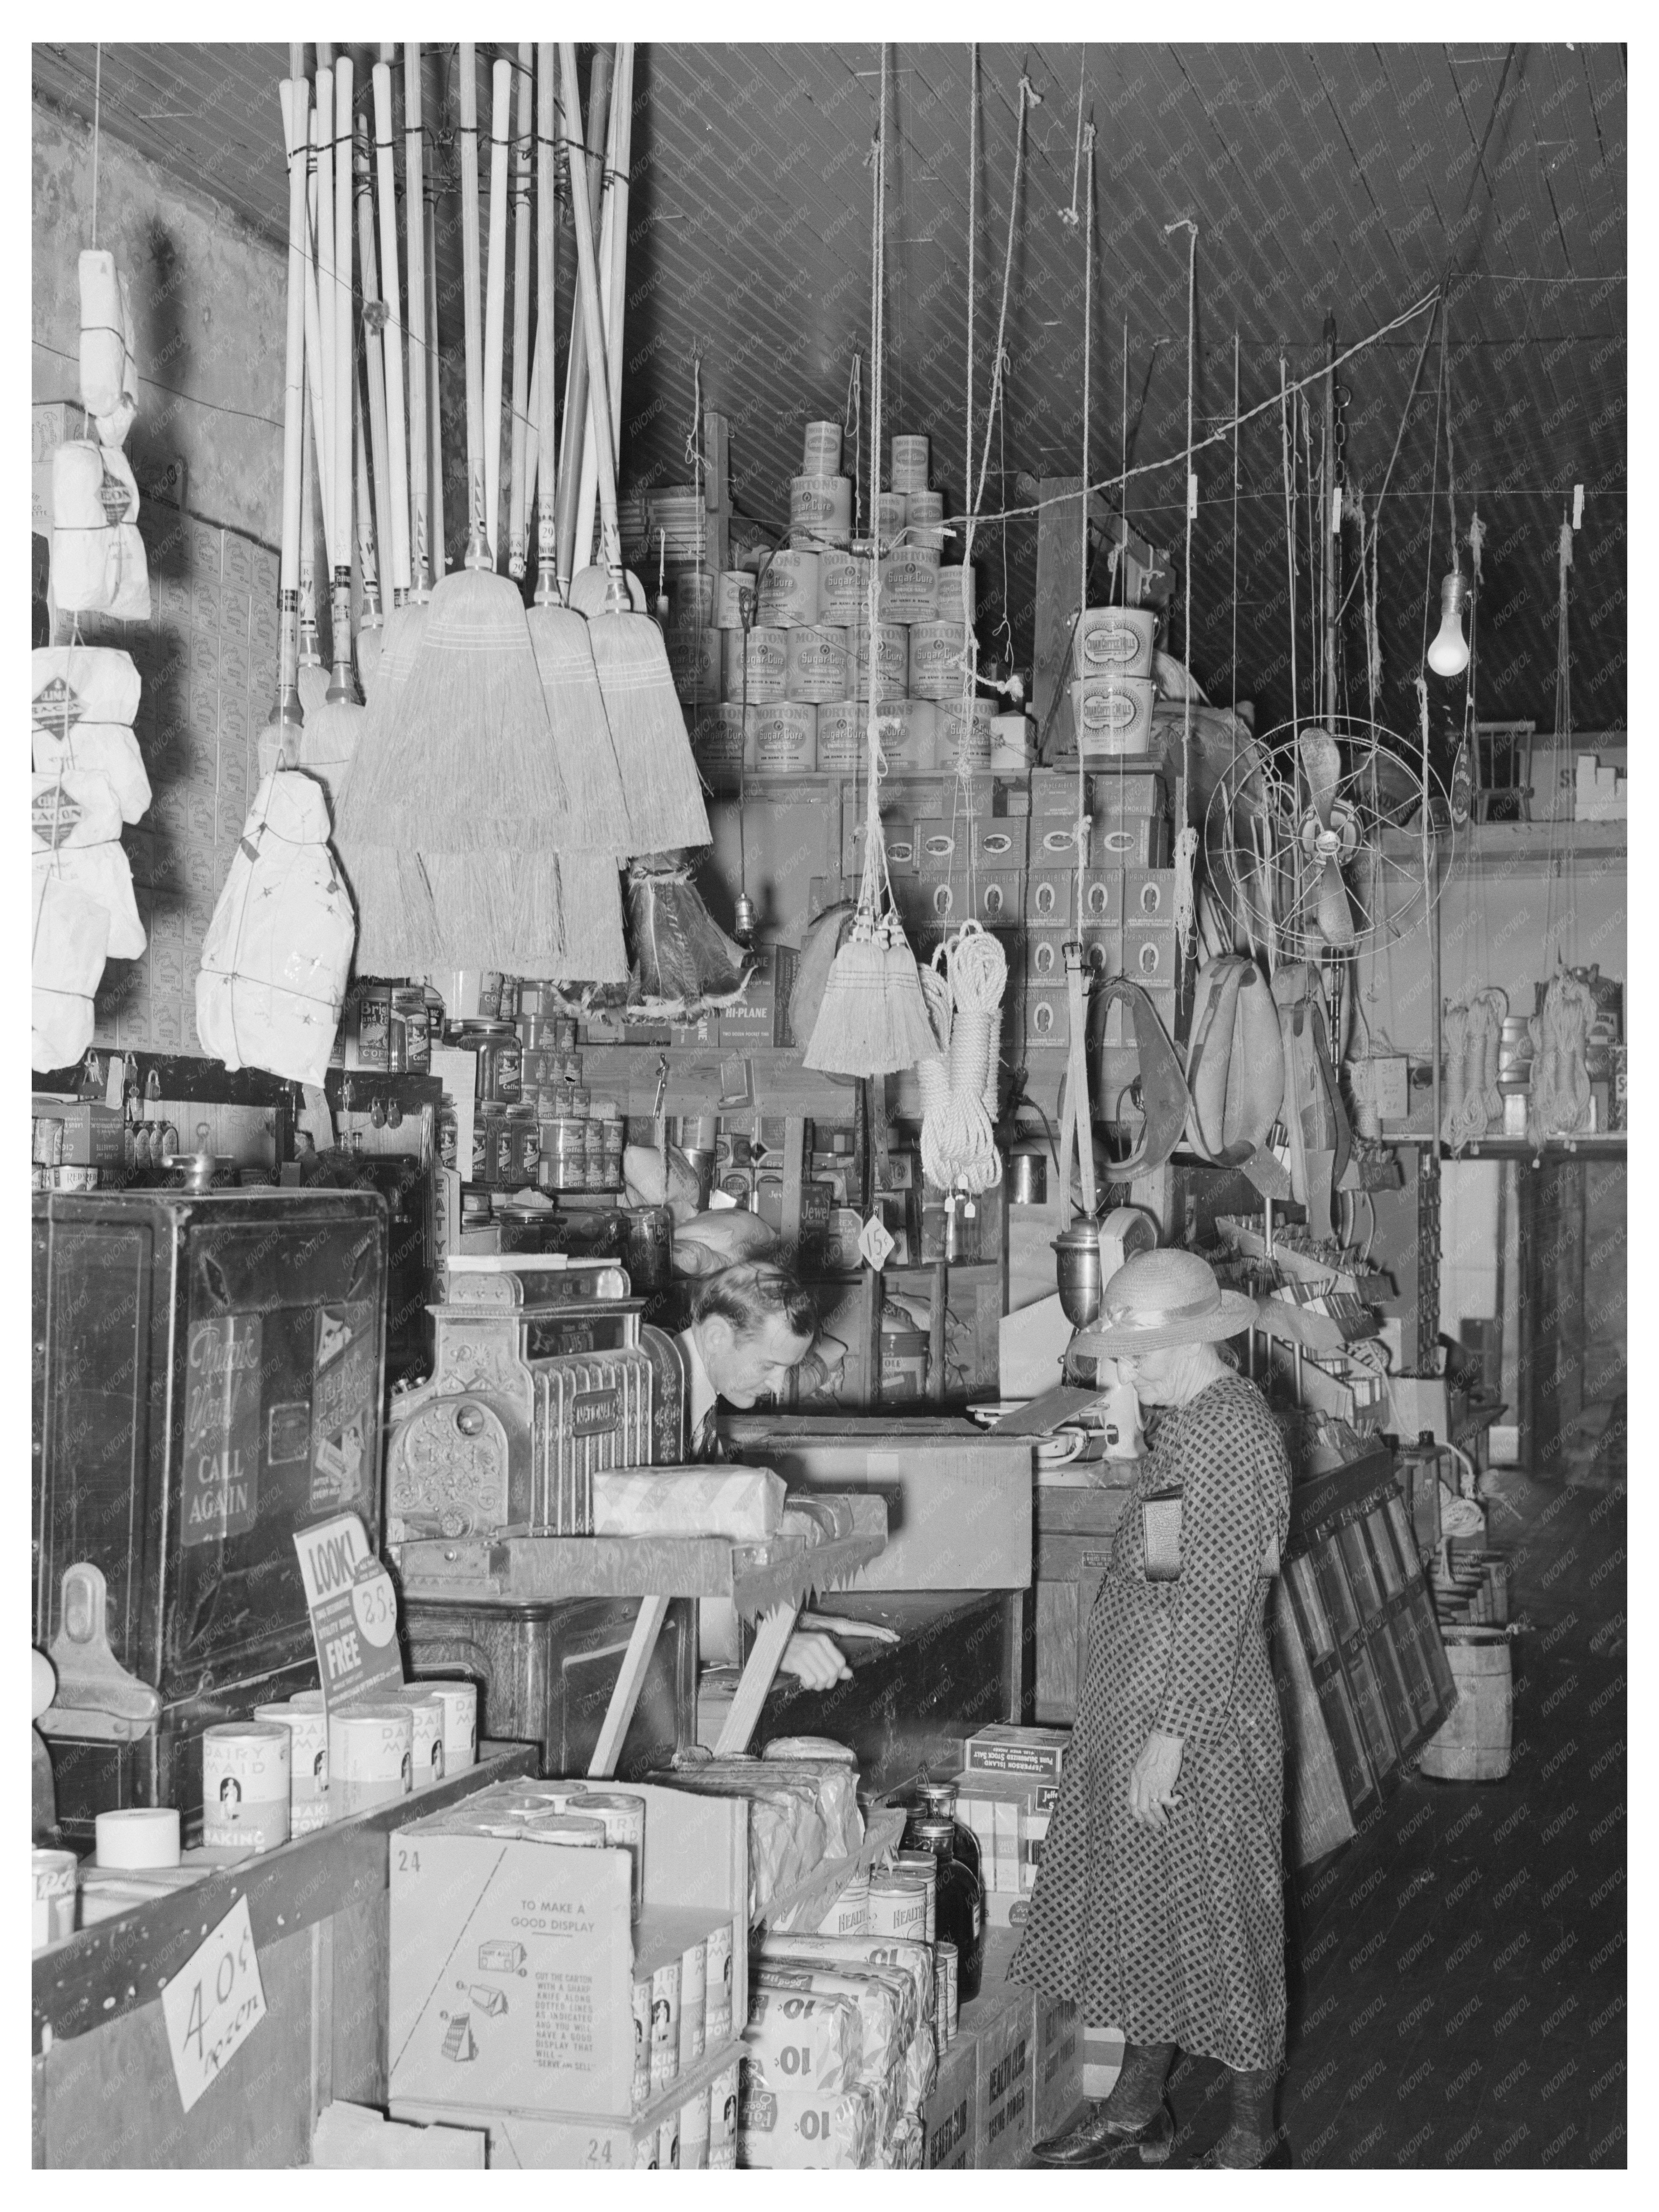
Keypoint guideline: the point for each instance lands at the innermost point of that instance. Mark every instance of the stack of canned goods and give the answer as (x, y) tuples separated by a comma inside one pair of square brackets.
[(50, 1171)]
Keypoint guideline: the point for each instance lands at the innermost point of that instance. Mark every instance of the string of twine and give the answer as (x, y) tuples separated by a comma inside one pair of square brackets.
[(1079, 853), (875, 887), (1184, 903)]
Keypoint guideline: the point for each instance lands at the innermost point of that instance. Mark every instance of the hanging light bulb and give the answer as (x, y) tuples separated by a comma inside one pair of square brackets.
[(1449, 653), (745, 920)]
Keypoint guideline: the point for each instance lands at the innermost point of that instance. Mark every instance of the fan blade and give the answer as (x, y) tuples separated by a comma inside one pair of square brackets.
[(1335, 921), (1321, 764)]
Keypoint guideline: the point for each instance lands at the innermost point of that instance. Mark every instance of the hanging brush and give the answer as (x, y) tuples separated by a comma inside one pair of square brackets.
[(585, 168), (647, 725), (520, 166), (371, 631), (415, 248), (374, 361), (313, 677), (393, 336), (471, 768)]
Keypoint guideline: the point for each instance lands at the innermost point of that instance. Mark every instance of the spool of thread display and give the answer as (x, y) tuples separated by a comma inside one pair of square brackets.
[(924, 519), (52, 1876), (843, 590), (307, 1787), (785, 738), (818, 666), (765, 651), (138, 1836), (788, 595), (246, 1779), (964, 740), (821, 511), (909, 585), (734, 598), (821, 449), (908, 735), (842, 734), (937, 651), (371, 1758), (910, 464)]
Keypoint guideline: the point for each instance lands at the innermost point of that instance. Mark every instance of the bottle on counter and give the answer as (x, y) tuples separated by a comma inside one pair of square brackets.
[(960, 1906)]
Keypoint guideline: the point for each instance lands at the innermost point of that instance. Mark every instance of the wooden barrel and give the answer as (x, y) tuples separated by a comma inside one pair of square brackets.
[(1473, 1745)]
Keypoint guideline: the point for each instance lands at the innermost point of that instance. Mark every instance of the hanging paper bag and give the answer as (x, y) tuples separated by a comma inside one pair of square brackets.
[(109, 373), (73, 684), (106, 749), (72, 809), (273, 972), (103, 874), (69, 934), (98, 563)]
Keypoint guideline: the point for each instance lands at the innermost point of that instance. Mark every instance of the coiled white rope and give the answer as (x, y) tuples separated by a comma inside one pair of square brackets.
[(959, 1087)]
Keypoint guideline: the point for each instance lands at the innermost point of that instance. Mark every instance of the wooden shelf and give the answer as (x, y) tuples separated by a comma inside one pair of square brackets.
[(1486, 848), (1594, 1145)]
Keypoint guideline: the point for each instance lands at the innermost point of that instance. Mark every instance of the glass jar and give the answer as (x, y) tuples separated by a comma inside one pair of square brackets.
[(938, 1800), (960, 1907)]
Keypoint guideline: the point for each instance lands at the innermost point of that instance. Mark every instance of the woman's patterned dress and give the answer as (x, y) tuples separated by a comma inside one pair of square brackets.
[(1179, 1936)]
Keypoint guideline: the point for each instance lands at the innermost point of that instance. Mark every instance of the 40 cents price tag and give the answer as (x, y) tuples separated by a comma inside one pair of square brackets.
[(214, 2005)]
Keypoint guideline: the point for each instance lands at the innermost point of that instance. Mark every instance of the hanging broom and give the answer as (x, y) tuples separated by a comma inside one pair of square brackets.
[(398, 931), (584, 163), (371, 631), (471, 768), (279, 745), (516, 563), (315, 679), (414, 234), (660, 777), (374, 363), (330, 737), (872, 1019)]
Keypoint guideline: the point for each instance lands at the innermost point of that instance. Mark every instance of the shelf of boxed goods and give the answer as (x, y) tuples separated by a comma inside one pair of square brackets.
[(767, 1582), (317, 1910)]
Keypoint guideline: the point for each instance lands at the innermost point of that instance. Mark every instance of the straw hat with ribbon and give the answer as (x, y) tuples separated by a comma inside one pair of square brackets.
[(1161, 1299)]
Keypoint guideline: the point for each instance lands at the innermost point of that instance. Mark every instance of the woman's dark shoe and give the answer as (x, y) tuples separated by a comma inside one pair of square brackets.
[(1098, 2140)]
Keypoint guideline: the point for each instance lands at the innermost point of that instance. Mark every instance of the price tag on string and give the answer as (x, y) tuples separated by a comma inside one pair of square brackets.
[(214, 2005), (353, 1612)]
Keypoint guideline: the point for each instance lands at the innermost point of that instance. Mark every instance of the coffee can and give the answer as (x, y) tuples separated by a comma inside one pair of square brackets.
[(370, 1757), (925, 1868), (694, 2133), (624, 1818), (898, 1907), (247, 1779), (52, 1877), (665, 2024), (694, 2002), (307, 1728), (718, 1985)]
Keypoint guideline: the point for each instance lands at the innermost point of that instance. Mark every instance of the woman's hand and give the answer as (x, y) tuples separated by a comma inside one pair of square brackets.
[(1151, 1779), (815, 1662)]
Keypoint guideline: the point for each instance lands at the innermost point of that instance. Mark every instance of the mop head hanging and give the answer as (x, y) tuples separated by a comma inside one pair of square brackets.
[(471, 767), (873, 1019), (682, 954)]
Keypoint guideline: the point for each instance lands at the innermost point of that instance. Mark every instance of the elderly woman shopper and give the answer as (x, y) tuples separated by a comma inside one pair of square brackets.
[(1160, 1905)]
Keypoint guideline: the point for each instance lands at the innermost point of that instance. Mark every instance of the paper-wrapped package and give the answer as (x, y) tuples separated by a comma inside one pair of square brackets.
[(98, 563), (273, 971), (884, 1995), (109, 371), (108, 750), (744, 1503), (69, 934), (709, 1243), (780, 2127), (816, 2038), (845, 1952), (103, 874), (72, 683), (77, 808)]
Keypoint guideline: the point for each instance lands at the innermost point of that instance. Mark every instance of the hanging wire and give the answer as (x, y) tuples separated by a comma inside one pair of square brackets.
[(1069, 215), (1077, 850)]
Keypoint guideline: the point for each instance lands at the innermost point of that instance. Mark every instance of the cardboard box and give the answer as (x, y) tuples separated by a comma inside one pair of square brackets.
[(942, 848), (1130, 841), (949, 2115), (1053, 795), (958, 1501), (93, 1134), (1050, 902), (816, 1203), (1006, 1748), (1000, 842), (1007, 1908), (1149, 955), (1059, 2064), (900, 839), (1054, 844), (512, 1963), (1148, 895), (763, 1018), (1122, 793), (1102, 2061), (1103, 894), (1002, 2020), (1047, 1019)]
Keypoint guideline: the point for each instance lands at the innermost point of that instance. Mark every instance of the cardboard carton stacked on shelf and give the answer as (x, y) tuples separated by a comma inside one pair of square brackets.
[(1006, 1793)]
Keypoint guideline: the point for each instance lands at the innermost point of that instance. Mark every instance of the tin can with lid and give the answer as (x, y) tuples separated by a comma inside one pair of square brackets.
[(665, 2024), (427, 1733), (850, 1913), (788, 596), (668, 2144), (639, 2088), (898, 1905), (624, 1818), (501, 1061), (842, 727), (367, 1036), (843, 590), (910, 461), (448, 1133), (48, 1140), (890, 516), (821, 449), (734, 598), (694, 2134), (246, 1781), (945, 2005), (370, 1757), (52, 1876), (307, 1730), (717, 1984), (753, 666), (459, 1701), (694, 2002)]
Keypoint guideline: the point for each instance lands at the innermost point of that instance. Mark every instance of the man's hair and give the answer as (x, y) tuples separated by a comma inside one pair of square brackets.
[(748, 1295)]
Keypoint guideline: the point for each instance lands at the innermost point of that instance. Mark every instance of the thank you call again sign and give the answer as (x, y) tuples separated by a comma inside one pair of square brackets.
[(222, 1428), (354, 1611)]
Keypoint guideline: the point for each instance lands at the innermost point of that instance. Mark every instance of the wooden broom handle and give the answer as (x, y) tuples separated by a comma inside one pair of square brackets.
[(327, 298), (599, 417), (415, 233), (623, 109), (393, 339), (515, 504), (477, 554), (344, 349), (316, 451), (501, 124), (295, 98), (546, 219), (374, 362), (585, 169), (598, 387)]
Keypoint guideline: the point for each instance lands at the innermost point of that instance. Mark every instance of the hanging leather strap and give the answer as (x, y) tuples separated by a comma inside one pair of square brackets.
[(1165, 1100)]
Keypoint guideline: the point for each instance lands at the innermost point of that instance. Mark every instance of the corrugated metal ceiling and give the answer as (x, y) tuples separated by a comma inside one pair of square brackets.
[(1342, 179)]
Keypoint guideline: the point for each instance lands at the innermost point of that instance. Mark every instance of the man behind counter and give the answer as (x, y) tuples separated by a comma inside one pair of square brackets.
[(751, 1325)]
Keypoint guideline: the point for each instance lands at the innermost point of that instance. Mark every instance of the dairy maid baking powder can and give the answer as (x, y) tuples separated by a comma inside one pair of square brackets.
[(694, 2002), (246, 1782), (624, 1818), (718, 1985), (308, 1731), (370, 1757)]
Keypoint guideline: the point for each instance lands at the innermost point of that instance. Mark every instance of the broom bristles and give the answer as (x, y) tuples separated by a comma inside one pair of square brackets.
[(872, 1019), (312, 681), (660, 777), (370, 644), (581, 733), (566, 918), (327, 744), (477, 897), (473, 769), (378, 756), (398, 931)]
